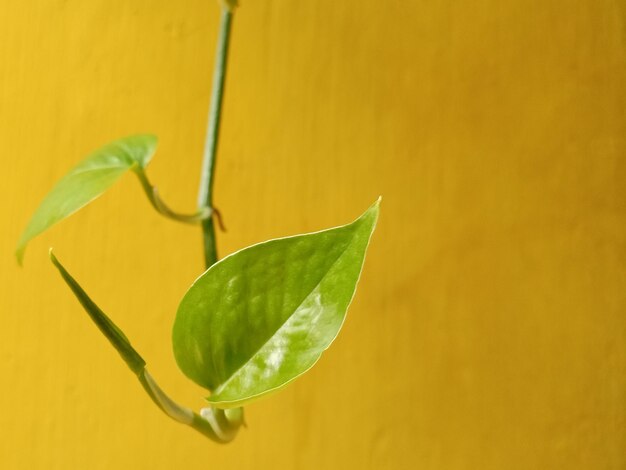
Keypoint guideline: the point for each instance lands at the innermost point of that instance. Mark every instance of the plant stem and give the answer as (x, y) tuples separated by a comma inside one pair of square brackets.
[(159, 205), (230, 420), (205, 193), (218, 425)]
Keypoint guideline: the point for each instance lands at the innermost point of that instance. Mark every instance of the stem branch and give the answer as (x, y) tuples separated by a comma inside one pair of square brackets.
[(163, 209)]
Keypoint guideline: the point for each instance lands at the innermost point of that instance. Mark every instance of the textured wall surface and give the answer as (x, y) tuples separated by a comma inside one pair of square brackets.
[(489, 330)]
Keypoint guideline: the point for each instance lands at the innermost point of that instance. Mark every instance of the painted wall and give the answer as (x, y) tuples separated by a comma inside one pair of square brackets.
[(489, 330)]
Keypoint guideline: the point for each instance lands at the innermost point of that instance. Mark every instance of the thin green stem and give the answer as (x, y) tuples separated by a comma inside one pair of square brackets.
[(205, 192), (155, 200), (216, 424)]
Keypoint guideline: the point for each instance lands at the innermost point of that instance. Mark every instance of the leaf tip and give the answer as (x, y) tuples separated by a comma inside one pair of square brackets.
[(19, 255), (371, 213), (53, 258), (152, 139)]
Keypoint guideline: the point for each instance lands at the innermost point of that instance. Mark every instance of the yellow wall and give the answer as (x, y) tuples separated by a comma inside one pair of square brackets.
[(489, 331)]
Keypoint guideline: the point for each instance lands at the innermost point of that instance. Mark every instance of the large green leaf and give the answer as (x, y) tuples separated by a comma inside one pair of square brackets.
[(88, 180), (261, 317)]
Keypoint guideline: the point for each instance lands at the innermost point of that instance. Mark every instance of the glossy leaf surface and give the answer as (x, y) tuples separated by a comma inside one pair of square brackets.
[(88, 180), (263, 316)]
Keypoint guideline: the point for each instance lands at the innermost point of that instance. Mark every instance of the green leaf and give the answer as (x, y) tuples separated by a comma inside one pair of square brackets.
[(261, 317), (88, 180)]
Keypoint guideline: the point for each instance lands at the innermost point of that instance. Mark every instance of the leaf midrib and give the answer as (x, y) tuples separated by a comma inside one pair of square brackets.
[(100, 168), (221, 387)]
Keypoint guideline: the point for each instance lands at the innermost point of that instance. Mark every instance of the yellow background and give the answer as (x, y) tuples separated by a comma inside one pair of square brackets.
[(489, 330)]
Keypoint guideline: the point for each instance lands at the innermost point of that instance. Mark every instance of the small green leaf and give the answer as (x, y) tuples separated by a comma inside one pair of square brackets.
[(88, 180), (261, 317)]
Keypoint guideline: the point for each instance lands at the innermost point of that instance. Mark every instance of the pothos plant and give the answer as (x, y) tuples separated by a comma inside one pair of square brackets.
[(253, 321)]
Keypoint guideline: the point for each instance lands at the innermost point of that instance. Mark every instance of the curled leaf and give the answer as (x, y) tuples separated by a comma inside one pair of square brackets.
[(109, 329)]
